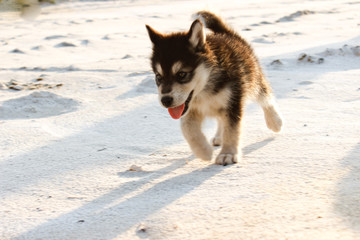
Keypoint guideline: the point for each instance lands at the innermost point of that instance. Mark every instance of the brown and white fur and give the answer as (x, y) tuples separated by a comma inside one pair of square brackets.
[(212, 76)]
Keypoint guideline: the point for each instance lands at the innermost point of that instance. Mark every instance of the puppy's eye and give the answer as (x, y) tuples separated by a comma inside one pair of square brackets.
[(158, 79), (181, 76)]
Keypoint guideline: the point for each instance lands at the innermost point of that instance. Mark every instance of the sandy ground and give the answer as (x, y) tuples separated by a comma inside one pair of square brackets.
[(87, 152)]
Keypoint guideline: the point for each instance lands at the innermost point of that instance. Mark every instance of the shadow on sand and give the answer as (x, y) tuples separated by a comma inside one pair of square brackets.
[(348, 191)]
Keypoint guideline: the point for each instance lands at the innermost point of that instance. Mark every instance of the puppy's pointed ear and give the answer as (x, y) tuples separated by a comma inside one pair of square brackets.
[(154, 35), (197, 35)]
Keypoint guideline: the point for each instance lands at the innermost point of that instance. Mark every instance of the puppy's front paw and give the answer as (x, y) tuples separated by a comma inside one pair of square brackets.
[(203, 152), (227, 158)]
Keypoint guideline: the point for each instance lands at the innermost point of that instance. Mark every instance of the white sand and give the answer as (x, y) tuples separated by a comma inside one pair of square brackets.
[(89, 153)]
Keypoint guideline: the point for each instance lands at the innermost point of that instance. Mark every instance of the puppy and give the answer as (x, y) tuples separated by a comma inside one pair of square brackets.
[(212, 75)]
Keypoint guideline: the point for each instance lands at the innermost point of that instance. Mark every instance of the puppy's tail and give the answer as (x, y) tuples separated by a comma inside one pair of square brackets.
[(213, 22)]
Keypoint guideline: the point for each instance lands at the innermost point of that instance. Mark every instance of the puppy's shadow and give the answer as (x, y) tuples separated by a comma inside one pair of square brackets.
[(256, 146)]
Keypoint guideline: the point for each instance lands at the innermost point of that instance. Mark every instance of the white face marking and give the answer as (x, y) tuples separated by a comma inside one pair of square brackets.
[(159, 69), (176, 67), (201, 76), (180, 92)]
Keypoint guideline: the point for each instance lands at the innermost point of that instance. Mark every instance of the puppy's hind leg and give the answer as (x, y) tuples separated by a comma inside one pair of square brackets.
[(230, 142), (271, 112), (217, 140), (191, 128)]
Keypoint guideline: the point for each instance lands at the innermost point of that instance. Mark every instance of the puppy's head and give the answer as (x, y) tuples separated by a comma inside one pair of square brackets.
[(178, 64)]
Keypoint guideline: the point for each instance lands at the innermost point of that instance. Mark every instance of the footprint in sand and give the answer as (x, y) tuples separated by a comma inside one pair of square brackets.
[(281, 34), (289, 18), (85, 42), (276, 63), (127, 56), (294, 15), (37, 105), (54, 37), (263, 40), (346, 50), (65, 44), (38, 48), (34, 85), (16, 50), (305, 58), (305, 83)]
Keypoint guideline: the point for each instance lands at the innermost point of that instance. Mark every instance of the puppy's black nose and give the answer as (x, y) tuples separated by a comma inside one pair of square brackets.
[(167, 101)]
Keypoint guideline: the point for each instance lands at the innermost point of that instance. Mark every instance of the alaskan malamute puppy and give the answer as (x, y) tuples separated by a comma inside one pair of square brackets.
[(212, 75)]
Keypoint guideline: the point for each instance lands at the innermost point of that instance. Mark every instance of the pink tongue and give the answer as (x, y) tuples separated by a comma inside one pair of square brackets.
[(176, 112)]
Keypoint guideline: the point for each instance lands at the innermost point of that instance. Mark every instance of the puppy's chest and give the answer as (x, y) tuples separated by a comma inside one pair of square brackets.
[(211, 104)]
